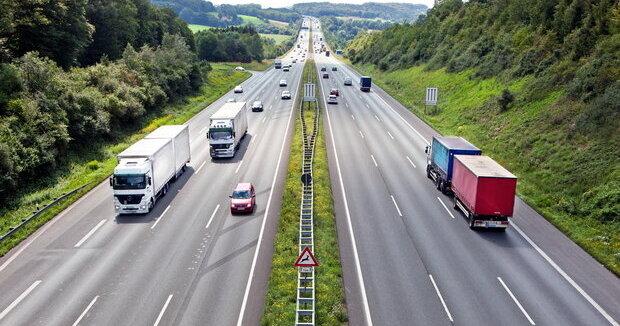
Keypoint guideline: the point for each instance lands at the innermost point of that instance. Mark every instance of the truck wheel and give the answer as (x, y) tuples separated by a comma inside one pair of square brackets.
[(151, 204), (471, 223), (428, 172), (165, 190), (439, 184)]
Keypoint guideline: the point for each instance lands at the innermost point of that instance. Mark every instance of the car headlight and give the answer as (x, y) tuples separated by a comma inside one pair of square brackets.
[(249, 205), (117, 207), (142, 207)]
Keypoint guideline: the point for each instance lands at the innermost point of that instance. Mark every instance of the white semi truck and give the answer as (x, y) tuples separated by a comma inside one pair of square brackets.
[(227, 128), (146, 168)]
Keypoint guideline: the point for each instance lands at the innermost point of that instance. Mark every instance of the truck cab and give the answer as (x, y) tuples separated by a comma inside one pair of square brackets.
[(132, 186), (222, 138)]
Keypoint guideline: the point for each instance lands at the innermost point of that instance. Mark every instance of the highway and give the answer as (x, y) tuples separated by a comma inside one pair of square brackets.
[(189, 261), (409, 258)]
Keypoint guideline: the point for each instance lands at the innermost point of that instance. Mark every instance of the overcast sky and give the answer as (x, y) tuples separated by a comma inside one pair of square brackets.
[(288, 3)]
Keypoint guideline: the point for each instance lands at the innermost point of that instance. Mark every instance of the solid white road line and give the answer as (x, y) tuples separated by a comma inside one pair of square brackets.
[(253, 138), (373, 160), (445, 307), (376, 117), (574, 284), (396, 205), (201, 165), (90, 233), (262, 228), (19, 299), (163, 310), (361, 134), (446, 207), (160, 217), (238, 167), (410, 161), (212, 216), (356, 257), (390, 135), (90, 305), (516, 301)]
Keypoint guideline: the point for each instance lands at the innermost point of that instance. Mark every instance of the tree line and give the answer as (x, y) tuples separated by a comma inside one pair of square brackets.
[(339, 31), (241, 44), (398, 12)]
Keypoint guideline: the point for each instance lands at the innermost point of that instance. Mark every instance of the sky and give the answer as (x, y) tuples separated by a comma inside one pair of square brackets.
[(288, 3)]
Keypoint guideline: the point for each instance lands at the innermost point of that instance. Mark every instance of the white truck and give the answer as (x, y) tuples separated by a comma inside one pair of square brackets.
[(228, 126), (146, 168)]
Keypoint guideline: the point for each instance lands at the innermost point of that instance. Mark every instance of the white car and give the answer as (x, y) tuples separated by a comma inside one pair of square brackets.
[(238, 89), (239, 68), (232, 99), (286, 95), (348, 81), (282, 82), (332, 99)]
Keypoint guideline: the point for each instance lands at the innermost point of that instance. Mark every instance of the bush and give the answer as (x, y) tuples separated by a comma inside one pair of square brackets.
[(505, 100)]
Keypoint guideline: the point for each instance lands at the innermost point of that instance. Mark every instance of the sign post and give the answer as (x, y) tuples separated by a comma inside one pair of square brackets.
[(306, 259), (431, 97), (309, 92)]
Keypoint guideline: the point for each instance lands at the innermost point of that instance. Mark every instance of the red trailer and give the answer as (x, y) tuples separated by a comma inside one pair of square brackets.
[(483, 190)]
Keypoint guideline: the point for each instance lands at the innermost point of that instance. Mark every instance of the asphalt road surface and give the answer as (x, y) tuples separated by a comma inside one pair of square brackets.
[(409, 258), (188, 262)]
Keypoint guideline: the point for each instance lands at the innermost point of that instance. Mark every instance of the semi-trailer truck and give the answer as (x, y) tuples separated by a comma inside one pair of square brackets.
[(484, 191), (440, 159), (147, 167), (277, 63), (365, 83), (227, 128)]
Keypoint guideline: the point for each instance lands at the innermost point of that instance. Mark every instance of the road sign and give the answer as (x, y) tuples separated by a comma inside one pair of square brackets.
[(306, 179), (309, 93), (306, 259), (431, 96)]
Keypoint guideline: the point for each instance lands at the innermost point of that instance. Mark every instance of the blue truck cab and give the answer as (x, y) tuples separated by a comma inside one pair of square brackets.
[(440, 159), (365, 83)]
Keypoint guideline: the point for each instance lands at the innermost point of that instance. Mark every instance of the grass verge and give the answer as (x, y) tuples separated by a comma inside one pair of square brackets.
[(559, 169), (281, 292), (94, 166)]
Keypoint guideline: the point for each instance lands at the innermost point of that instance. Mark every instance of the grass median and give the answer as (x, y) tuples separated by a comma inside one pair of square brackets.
[(281, 293), (93, 165)]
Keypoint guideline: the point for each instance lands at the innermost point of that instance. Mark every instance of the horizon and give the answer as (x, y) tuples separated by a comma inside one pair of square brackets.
[(290, 3)]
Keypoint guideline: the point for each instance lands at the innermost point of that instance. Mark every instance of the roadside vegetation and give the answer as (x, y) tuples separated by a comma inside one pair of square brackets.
[(281, 292), (96, 161), (536, 87)]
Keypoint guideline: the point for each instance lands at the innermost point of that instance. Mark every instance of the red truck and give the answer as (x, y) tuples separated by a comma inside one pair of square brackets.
[(484, 191)]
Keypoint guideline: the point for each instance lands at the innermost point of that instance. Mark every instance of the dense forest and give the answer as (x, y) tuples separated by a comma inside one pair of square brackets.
[(83, 72), (566, 51), (397, 12), (339, 31)]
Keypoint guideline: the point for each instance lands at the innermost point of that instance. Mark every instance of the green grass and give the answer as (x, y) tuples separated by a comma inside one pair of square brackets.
[(251, 20), (197, 28), (281, 292), (279, 38), (557, 166), (94, 166), (278, 23)]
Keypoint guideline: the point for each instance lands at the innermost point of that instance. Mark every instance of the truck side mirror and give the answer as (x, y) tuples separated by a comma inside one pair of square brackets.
[(148, 180), (426, 149), (207, 134), (111, 182)]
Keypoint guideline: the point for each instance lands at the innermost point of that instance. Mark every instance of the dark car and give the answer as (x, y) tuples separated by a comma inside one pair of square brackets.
[(323, 69), (243, 199), (334, 91), (325, 76), (257, 106), (334, 68)]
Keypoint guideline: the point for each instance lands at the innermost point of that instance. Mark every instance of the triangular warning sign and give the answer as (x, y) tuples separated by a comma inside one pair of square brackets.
[(306, 259)]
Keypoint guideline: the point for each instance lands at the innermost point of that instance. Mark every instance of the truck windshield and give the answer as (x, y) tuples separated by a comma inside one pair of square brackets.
[(218, 134), (129, 181)]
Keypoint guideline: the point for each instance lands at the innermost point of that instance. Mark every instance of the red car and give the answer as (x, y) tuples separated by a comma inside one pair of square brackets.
[(334, 91), (243, 199)]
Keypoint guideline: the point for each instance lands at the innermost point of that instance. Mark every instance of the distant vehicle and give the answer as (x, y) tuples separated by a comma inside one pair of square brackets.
[(227, 128), (277, 63), (231, 100), (239, 68), (334, 91), (257, 106), (238, 89), (243, 199), (334, 68), (294, 61), (365, 83), (326, 53), (338, 51), (282, 82), (323, 69), (348, 81), (286, 95), (484, 191), (325, 76), (332, 99), (440, 159), (285, 69), (147, 167)]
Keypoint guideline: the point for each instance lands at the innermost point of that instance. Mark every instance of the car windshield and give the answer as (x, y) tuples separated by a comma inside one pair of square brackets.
[(257, 103), (241, 194), (129, 181), (218, 134)]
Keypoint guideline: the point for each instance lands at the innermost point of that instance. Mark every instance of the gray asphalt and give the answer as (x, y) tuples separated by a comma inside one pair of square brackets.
[(166, 267), (404, 235)]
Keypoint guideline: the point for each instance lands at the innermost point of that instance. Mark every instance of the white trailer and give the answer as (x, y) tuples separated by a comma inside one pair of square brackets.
[(146, 168), (227, 128), (179, 134)]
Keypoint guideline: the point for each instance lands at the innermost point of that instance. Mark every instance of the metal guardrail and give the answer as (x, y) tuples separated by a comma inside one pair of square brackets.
[(37, 213), (306, 300)]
